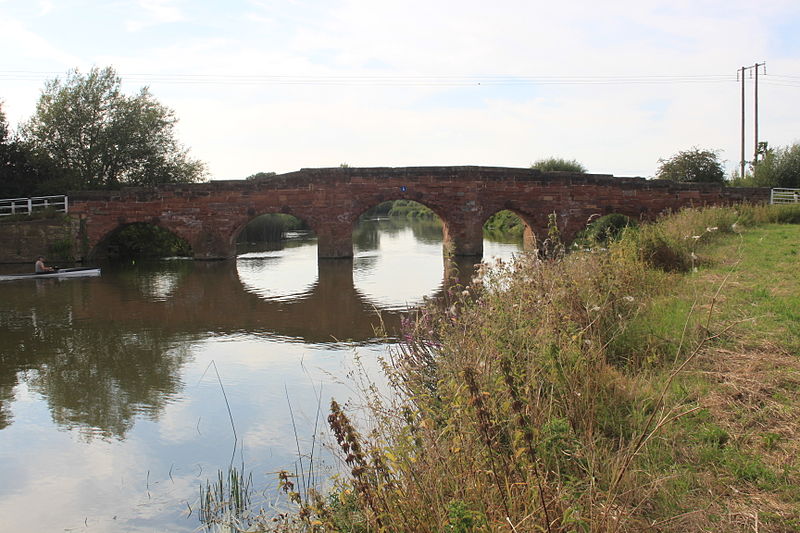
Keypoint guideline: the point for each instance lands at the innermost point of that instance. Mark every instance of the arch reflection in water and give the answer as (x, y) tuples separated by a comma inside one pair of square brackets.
[(401, 274), (280, 275)]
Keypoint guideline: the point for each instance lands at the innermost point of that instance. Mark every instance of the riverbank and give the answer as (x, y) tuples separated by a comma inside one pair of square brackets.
[(649, 385)]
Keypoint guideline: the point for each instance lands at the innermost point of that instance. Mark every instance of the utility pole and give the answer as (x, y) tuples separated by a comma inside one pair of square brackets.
[(755, 108), (742, 161), (740, 73)]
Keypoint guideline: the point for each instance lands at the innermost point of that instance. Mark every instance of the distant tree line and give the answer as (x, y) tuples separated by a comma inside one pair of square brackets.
[(775, 167), (87, 134)]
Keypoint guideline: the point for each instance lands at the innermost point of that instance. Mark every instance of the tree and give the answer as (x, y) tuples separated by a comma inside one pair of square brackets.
[(559, 164), (780, 167), (106, 139), (260, 175), (21, 174), (692, 166)]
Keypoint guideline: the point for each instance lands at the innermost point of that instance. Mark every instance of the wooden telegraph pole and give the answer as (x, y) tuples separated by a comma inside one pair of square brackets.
[(754, 73), (755, 107), (742, 161)]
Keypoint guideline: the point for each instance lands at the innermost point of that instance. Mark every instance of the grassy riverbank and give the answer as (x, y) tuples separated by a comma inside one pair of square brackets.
[(653, 384)]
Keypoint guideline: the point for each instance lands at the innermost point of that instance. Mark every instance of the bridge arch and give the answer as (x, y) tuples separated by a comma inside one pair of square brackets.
[(268, 227), (114, 242), (410, 210)]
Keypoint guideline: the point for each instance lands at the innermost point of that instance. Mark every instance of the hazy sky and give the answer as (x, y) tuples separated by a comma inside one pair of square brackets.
[(276, 85)]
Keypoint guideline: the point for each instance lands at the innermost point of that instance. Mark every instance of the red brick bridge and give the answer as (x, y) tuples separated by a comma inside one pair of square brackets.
[(210, 215)]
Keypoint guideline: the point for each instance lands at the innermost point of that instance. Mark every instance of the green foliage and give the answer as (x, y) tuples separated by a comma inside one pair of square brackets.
[(692, 166), (558, 164), (505, 223), (411, 209), (61, 250), (105, 139), (145, 241), (780, 167), (22, 174), (270, 228), (606, 228), (461, 519)]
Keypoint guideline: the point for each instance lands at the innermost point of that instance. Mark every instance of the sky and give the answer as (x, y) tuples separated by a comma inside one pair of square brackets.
[(279, 85)]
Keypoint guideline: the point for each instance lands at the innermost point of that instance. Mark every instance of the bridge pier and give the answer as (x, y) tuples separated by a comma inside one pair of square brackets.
[(463, 238), (209, 245), (334, 240)]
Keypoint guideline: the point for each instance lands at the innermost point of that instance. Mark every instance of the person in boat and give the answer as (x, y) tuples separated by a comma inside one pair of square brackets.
[(40, 267)]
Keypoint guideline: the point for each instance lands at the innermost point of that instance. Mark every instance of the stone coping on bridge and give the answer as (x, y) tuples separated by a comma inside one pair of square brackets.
[(308, 177)]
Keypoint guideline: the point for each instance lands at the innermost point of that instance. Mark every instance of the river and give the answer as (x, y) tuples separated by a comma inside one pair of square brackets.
[(120, 395)]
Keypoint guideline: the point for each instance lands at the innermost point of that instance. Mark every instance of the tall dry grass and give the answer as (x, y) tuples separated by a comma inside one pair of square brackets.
[(522, 402)]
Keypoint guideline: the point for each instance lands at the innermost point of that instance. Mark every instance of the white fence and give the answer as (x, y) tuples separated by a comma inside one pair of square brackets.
[(784, 196), (27, 206)]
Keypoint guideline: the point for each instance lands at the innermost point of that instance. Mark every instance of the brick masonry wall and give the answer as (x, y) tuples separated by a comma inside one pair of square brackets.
[(210, 215), (23, 240)]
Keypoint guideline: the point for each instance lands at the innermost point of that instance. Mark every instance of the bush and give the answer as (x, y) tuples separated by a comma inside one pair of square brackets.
[(558, 164), (692, 166), (608, 228), (779, 168)]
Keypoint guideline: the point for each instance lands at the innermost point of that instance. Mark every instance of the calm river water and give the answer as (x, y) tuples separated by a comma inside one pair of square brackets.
[(114, 391)]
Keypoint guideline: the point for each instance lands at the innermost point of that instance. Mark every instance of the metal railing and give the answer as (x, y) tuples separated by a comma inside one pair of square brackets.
[(27, 206)]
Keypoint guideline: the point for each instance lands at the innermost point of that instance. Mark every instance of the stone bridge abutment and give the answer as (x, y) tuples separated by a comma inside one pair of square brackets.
[(210, 215)]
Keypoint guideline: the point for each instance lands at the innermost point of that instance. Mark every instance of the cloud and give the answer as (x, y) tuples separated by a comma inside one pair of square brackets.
[(240, 126), (156, 12), (45, 7)]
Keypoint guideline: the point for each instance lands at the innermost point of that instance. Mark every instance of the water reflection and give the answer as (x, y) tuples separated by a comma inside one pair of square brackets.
[(122, 363)]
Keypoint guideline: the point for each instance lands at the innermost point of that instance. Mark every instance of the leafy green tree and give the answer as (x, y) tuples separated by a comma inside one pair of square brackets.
[(559, 164), (692, 166), (106, 139), (21, 174), (780, 167)]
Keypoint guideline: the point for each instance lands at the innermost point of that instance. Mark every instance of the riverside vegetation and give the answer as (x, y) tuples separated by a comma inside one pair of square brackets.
[(649, 382)]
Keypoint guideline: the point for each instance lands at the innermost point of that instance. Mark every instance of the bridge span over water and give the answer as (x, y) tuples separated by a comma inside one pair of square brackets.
[(211, 215)]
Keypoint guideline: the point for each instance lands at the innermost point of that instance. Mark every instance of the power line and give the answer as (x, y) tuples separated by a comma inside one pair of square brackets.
[(386, 80)]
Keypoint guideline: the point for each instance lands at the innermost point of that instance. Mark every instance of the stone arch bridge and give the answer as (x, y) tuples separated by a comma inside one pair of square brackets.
[(211, 215)]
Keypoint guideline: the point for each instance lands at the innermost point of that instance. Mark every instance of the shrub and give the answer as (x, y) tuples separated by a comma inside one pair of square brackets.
[(692, 166), (559, 164), (607, 228)]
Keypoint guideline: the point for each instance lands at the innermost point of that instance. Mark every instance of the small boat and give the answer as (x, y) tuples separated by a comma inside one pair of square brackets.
[(60, 273)]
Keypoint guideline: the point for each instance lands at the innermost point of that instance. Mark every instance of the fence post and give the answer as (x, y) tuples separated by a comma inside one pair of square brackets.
[(66, 201), (30, 206)]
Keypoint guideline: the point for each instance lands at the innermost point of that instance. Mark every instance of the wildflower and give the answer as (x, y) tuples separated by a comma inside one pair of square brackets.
[(712, 228)]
